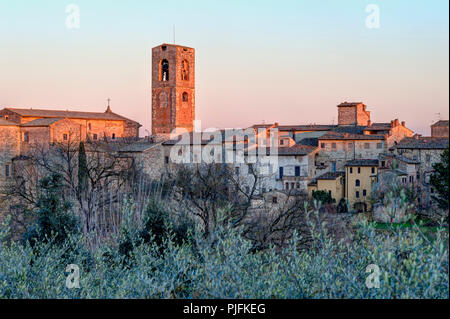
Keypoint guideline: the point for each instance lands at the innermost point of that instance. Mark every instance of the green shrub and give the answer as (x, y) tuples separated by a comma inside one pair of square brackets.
[(51, 218), (411, 266)]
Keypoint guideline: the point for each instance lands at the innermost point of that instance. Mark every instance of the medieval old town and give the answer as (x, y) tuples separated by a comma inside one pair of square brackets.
[(190, 202)]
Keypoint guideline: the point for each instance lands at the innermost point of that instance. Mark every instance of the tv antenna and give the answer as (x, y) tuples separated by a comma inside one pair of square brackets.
[(174, 34)]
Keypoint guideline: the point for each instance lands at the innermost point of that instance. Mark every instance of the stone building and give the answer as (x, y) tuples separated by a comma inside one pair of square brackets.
[(45, 124), (426, 151), (173, 89), (353, 113), (21, 130), (360, 174), (331, 182), (440, 129)]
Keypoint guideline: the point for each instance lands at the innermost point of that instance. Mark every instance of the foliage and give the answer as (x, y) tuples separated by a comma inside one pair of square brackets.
[(223, 266), (82, 170), (440, 180), (51, 218), (323, 197)]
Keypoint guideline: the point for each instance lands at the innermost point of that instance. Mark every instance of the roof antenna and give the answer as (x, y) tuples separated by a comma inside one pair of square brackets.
[(174, 34)]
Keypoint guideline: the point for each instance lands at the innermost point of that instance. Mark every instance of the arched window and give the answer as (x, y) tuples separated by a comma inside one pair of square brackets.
[(184, 70), (164, 71), (185, 97), (163, 99), (357, 183)]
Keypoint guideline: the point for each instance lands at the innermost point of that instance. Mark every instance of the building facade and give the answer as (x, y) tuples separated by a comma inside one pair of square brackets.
[(173, 89)]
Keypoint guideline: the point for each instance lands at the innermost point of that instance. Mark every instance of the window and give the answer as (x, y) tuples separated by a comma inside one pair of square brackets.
[(26, 137), (366, 146), (357, 194), (281, 142), (373, 170), (383, 163), (7, 170), (274, 200), (333, 166), (322, 145), (114, 136), (95, 137), (65, 137), (333, 145), (379, 145), (292, 185), (287, 186), (359, 170), (357, 183), (351, 170), (418, 176), (184, 70), (329, 193), (236, 170), (263, 190), (163, 99), (297, 170), (6, 117), (404, 180), (411, 179), (185, 97), (298, 185), (281, 172), (164, 71), (350, 146), (90, 126), (431, 190), (364, 192), (166, 159), (428, 158)]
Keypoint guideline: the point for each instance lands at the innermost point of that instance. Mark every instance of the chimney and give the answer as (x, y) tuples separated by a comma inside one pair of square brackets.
[(392, 123), (276, 124), (403, 124), (396, 122), (369, 123)]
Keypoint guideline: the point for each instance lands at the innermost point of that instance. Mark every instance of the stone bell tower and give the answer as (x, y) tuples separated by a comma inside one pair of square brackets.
[(173, 88)]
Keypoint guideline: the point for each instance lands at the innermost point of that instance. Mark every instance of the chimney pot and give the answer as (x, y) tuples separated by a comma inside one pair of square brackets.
[(403, 124)]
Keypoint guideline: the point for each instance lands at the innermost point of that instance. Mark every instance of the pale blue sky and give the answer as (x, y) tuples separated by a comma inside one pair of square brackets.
[(285, 61)]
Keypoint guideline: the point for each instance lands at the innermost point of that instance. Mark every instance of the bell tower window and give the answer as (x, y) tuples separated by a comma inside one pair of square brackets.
[(164, 71), (185, 97), (185, 70)]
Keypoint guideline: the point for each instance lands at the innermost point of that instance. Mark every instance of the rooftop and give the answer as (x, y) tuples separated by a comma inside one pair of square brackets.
[(422, 142), (441, 123), (330, 175), (362, 162), (349, 136), (42, 122), (110, 116)]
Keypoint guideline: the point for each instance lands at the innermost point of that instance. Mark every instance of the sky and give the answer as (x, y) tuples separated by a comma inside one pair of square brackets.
[(290, 62)]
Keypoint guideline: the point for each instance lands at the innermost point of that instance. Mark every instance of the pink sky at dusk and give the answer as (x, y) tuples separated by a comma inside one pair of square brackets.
[(295, 72)]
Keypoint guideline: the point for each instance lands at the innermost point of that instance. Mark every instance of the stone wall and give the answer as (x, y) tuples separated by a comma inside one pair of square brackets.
[(439, 131), (169, 109), (353, 113)]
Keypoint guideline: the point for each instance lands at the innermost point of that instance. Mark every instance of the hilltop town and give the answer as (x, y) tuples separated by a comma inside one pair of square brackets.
[(348, 161)]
